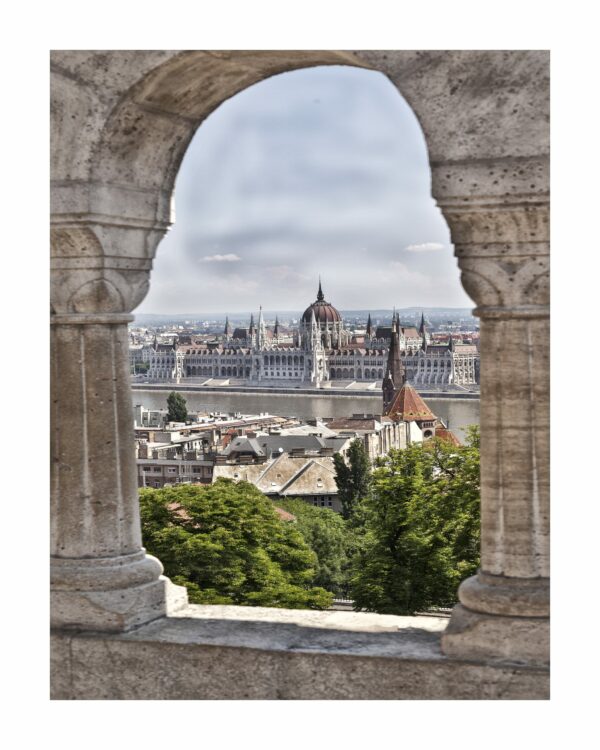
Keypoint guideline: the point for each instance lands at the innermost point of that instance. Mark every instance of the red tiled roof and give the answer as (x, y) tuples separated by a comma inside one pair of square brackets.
[(444, 434), (409, 406)]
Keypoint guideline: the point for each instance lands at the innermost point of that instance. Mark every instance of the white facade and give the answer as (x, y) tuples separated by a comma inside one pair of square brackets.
[(320, 350)]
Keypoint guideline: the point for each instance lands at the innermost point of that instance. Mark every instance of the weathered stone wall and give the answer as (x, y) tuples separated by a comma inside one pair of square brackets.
[(256, 653), (121, 122)]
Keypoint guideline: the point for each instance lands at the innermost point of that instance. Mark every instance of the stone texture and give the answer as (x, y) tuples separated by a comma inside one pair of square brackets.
[(263, 654), (492, 638), (121, 122)]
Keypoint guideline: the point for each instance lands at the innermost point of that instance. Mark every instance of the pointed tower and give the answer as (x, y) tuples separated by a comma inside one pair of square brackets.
[(320, 295), (408, 406), (395, 374), (276, 329), (228, 330), (422, 329), (252, 328), (369, 327), (261, 334)]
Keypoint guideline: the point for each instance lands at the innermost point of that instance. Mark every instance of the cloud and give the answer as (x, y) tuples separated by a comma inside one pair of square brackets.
[(235, 284), (402, 274), (285, 275), (424, 247), (227, 258)]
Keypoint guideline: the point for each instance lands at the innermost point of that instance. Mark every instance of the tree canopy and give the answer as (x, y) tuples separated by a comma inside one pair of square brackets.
[(421, 532), (227, 545), (177, 406), (331, 539), (353, 477)]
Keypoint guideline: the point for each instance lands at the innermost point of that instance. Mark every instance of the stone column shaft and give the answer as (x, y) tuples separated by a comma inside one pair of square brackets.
[(101, 577), (515, 447), (503, 615), (94, 476)]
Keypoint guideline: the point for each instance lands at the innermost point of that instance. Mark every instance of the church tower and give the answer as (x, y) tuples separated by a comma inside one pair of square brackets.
[(395, 375), (228, 331)]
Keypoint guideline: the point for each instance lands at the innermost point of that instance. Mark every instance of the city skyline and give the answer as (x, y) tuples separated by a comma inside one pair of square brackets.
[(319, 171)]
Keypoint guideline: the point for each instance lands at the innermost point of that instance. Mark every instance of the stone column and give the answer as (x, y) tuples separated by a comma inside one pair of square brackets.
[(101, 578), (502, 249)]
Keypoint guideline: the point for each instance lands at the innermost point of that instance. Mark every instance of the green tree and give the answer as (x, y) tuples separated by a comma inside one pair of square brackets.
[(422, 528), (353, 478), (177, 406), (227, 545), (330, 538)]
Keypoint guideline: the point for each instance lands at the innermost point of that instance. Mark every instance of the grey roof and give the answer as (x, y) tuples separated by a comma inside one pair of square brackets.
[(272, 443), (244, 445)]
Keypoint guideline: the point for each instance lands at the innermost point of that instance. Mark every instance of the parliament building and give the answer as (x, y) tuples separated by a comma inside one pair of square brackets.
[(319, 351)]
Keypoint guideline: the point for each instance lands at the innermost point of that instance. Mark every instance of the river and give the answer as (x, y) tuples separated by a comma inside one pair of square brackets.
[(458, 413)]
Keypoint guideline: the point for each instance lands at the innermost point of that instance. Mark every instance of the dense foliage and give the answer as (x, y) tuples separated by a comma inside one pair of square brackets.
[(227, 545), (410, 537), (421, 530), (330, 538), (353, 478), (177, 407)]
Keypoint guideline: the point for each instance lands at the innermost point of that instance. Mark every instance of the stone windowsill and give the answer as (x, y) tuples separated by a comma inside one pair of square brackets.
[(226, 652)]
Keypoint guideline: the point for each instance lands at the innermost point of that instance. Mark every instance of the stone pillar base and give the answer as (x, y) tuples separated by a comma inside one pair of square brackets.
[(500, 619), (111, 594), (492, 638)]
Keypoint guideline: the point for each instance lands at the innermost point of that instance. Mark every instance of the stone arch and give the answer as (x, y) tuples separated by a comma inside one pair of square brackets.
[(121, 123)]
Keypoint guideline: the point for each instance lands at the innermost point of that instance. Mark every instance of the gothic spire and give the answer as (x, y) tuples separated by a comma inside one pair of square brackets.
[(276, 331), (261, 332), (320, 295), (396, 376), (369, 326), (422, 324), (251, 329)]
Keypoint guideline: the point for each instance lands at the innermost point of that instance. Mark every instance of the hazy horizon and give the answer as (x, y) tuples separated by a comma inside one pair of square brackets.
[(297, 312)]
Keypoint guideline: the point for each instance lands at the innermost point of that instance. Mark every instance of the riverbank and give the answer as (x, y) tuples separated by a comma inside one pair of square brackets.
[(296, 391), (457, 413)]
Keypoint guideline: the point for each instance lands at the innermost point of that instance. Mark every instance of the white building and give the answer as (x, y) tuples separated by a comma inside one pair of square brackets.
[(320, 350)]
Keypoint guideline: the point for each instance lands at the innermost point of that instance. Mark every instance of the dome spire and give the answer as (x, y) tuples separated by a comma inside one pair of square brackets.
[(320, 295)]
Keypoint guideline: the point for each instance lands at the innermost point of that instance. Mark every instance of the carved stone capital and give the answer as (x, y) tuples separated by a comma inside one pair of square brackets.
[(503, 253), (90, 275)]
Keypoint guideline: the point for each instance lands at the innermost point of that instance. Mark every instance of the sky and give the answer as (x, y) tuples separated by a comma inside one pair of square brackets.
[(321, 171)]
